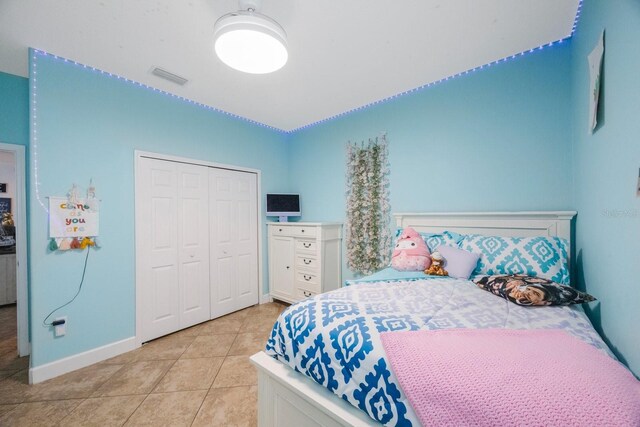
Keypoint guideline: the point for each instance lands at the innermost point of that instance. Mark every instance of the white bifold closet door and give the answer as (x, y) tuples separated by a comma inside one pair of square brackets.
[(234, 240), (173, 259)]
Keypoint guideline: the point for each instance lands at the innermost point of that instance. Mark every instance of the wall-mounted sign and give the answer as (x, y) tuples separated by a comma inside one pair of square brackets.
[(595, 73), (5, 205), (71, 220), (3, 187)]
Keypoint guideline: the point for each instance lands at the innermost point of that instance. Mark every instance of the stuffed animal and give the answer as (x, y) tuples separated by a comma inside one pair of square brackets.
[(7, 220), (436, 269), (411, 252)]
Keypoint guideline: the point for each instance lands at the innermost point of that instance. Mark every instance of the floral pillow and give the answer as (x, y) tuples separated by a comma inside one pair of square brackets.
[(533, 256), (532, 291)]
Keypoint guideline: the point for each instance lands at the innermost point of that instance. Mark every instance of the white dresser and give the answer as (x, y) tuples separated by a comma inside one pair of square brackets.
[(7, 279), (304, 259)]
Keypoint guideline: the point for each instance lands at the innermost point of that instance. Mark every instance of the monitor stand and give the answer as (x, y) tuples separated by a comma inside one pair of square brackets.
[(283, 218)]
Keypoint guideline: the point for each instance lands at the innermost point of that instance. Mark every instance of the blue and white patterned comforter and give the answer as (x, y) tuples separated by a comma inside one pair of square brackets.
[(334, 338)]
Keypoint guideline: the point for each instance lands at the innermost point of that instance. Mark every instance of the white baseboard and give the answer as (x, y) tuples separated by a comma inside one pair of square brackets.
[(77, 361), (265, 298)]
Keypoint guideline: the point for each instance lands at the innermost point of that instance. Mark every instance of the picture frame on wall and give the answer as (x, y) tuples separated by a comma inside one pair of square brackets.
[(595, 83), (3, 187), (5, 205)]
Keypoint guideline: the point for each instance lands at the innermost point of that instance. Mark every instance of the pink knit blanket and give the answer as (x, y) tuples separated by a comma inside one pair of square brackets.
[(500, 377)]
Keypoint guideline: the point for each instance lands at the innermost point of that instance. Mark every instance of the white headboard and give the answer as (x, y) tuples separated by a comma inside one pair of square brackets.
[(508, 224)]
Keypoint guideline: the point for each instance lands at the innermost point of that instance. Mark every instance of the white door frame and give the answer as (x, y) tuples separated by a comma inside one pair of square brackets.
[(159, 156), (20, 218)]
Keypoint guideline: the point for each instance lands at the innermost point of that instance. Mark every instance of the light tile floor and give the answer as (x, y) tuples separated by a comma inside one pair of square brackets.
[(200, 376)]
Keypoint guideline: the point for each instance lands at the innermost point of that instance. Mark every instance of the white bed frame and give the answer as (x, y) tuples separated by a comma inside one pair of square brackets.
[(289, 399)]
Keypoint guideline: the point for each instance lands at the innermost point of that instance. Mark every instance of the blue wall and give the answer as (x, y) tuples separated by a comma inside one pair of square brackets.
[(496, 139), (89, 125), (606, 172), (14, 109), (510, 137)]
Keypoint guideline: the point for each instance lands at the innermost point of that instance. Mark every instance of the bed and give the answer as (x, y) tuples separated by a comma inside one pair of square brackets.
[(324, 363)]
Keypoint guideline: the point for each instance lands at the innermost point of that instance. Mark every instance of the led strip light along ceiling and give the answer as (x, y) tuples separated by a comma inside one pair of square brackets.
[(170, 92)]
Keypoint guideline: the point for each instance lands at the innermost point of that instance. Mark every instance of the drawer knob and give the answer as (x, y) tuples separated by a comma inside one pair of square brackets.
[(307, 278), (307, 294), (280, 229), (303, 230), (307, 261), (306, 245), (287, 267)]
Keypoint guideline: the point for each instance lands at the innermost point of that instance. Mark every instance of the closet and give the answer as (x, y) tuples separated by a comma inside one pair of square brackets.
[(196, 244)]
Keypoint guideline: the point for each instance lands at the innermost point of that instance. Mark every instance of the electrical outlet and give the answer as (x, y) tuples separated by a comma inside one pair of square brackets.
[(61, 329)]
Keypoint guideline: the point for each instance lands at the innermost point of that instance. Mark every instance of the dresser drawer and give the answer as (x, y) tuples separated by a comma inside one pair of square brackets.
[(307, 246), (304, 293), (277, 230), (308, 281), (302, 231), (307, 262)]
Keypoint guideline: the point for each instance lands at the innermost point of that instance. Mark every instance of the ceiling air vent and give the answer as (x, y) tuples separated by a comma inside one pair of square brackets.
[(164, 74)]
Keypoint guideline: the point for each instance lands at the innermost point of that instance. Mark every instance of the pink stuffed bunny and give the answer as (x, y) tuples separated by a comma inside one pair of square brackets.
[(411, 252)]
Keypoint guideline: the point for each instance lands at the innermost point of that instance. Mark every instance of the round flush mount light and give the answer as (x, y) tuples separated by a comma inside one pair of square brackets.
[(250, 42)]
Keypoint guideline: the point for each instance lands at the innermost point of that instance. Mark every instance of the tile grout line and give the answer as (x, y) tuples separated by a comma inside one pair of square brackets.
[(135, 410), (150, 391), (251, 314), (155, 385), (214, 379), (212, 382), (217, 373)]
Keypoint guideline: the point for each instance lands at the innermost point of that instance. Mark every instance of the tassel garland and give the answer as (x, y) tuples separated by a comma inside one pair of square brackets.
[(78, 243)]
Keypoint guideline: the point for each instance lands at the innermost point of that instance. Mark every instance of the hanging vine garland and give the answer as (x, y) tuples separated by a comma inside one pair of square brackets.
[(368, 207)]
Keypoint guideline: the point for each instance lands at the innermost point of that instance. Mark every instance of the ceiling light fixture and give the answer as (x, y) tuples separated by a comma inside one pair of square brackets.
[(249, 41)]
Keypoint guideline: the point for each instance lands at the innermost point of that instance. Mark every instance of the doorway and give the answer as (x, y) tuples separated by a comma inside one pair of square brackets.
[(13, 251)]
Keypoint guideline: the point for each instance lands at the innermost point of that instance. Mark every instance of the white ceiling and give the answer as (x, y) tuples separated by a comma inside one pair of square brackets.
[(343, 54)]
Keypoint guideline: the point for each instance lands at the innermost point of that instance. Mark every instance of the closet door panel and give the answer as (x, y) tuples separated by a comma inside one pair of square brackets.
[(247, 237), (163, 299), (193, 239), (234, 278), (245, 276), (159, 248), (222, 277), (225, 280)]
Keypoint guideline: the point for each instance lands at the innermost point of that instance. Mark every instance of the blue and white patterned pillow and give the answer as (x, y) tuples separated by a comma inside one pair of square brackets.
[(433, 240), (532, 256)]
